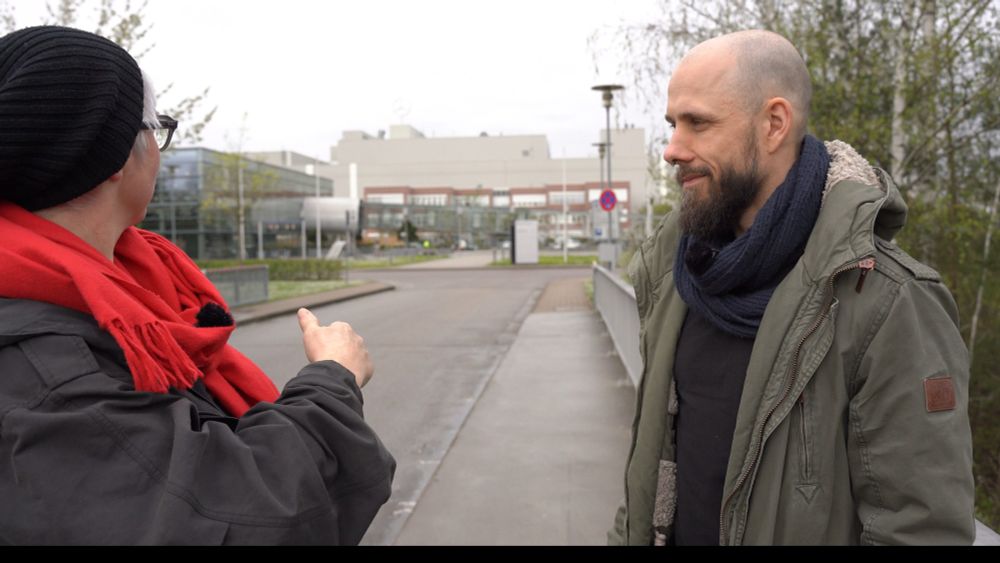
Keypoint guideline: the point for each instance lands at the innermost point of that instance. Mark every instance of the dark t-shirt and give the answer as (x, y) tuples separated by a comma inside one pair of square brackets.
[(709, 370)]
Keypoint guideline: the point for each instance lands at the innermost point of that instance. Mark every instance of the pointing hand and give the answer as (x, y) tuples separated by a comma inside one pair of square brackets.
[(337, 342)]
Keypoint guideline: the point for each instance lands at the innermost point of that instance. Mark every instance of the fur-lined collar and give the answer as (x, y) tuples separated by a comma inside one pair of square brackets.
[(847, 164)]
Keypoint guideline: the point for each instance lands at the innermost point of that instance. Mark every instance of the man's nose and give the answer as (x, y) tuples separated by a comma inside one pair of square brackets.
[(675, 151)]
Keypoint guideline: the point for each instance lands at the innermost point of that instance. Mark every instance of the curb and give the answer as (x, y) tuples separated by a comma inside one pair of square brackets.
[(584, 267), (249, 314), (541, 267)]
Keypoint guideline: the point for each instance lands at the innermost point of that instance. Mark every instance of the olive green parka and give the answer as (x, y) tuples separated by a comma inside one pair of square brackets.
[(852, 427)]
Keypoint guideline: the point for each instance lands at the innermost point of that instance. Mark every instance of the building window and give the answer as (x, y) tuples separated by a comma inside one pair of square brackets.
[(576, 197)]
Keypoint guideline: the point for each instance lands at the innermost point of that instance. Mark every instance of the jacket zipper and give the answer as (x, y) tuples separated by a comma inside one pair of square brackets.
[(865, 265), (806, 470)]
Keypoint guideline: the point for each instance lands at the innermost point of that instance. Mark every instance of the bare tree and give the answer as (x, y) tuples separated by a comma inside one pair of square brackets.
[(122, 21)]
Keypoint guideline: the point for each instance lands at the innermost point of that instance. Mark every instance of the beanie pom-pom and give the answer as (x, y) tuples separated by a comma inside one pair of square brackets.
[(213, 315)]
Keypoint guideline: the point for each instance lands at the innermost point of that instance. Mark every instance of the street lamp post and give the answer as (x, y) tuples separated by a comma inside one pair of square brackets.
[(565, 234), (600, 166), (607, 94), (319, 233), (172, 168), (458, 225), (241, 211)]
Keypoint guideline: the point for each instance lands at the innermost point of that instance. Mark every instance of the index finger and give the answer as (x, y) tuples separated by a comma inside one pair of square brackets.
[(307, 319)]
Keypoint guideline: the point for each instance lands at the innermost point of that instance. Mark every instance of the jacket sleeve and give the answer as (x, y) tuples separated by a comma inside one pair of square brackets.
[(86, 459), (909, 440)]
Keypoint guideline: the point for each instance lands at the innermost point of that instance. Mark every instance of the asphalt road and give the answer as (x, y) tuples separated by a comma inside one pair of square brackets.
[(435, 341)]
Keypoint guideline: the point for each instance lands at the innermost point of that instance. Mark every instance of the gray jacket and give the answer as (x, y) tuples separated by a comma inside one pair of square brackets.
[(85, 459)]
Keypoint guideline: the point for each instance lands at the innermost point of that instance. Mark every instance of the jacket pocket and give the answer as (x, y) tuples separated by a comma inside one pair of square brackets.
[(806, 486), (59, 359), (805, 471), (805, 407)]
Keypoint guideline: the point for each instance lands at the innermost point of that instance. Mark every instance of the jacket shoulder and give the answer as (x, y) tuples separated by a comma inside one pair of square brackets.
[(23, 318), (44, 346), (900, 265)]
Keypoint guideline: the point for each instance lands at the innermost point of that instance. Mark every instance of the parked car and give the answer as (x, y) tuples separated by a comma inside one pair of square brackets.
[(573, 244)]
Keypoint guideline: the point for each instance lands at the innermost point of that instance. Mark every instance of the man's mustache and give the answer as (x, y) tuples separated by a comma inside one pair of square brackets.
[(685, 171)]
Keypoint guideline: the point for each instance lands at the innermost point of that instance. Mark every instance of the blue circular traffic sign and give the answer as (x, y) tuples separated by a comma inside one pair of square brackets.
[(608, 200)]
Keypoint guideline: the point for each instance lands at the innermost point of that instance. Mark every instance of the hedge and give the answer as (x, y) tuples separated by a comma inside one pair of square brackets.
[(285, 270)]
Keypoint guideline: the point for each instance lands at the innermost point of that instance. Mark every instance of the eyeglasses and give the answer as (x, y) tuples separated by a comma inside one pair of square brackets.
[(164, 131)]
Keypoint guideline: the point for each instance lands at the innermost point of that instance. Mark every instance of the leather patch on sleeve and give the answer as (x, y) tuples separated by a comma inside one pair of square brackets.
[(939, 393)]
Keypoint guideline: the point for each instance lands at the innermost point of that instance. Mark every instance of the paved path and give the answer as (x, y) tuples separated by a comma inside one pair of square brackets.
[(540, 460), (460, 259), (564, 295)]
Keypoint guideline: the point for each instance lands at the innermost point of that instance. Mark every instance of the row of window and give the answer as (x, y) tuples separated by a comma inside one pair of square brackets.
[(517, 200)]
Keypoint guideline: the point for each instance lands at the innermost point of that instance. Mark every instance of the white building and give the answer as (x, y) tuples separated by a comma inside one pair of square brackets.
[(498, 163)]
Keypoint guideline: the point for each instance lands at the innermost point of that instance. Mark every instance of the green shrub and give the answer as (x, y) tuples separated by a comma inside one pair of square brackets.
[(285, 270)]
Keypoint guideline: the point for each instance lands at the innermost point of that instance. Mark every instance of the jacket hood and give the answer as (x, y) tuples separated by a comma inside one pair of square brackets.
[(859, 203), (846, 165)]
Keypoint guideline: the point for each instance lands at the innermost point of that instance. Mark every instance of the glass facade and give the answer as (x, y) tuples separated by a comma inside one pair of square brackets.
[(441, 225), (196, 205)]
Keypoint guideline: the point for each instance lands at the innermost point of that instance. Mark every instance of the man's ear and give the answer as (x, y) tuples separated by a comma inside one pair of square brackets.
[(117, 176), (779, 115)]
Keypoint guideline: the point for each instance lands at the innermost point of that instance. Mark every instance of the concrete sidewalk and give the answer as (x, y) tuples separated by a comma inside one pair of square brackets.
[(540, 460), (461, 259)]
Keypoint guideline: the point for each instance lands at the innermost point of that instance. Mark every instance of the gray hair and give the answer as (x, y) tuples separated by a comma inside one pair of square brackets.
[(149, 118)]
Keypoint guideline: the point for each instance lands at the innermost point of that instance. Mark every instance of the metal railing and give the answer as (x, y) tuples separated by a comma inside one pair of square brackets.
[(240, 285), (615, 300)]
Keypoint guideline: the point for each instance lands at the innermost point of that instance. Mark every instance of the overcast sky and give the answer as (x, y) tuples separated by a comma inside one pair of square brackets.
[(303, 71)]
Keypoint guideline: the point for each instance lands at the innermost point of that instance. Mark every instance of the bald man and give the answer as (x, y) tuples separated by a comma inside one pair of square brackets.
[(804, 379)]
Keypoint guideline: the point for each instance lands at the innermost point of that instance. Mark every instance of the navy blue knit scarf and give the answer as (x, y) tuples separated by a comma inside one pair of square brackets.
[(732, 285)]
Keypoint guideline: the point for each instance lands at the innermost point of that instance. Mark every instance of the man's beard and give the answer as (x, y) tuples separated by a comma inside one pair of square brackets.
[(716, 216)]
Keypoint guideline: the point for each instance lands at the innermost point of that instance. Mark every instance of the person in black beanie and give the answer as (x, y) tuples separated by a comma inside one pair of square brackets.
[(804, 379), (125, 417)]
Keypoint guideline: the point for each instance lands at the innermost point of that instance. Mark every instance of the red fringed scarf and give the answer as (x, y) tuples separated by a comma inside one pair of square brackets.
[(147, 299)]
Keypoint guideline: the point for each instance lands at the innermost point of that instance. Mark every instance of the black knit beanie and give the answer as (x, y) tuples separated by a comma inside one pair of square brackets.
[(70, 110)]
